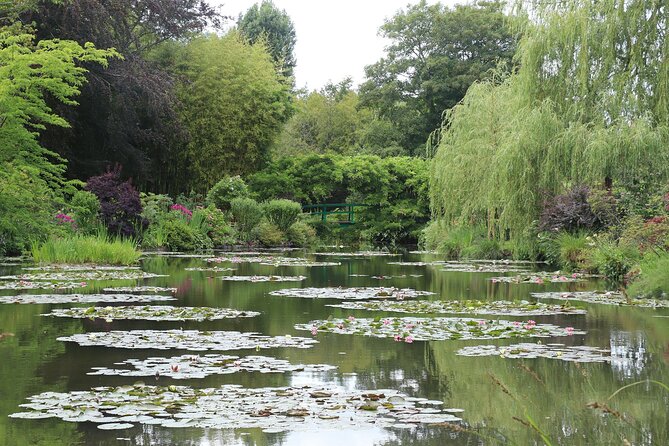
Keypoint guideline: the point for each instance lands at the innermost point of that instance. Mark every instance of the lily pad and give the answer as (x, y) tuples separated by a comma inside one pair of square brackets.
[(299, 262), (152, 313), (352, 293), (530, 351), (606, 298), (115, 426), (64, 276), (542, 278), (264, 278), (500, 307), (139, 289), (409, 329), (195, 366), (243, 259), (233, 406), (193, 340), (81, 298), (473, 267)]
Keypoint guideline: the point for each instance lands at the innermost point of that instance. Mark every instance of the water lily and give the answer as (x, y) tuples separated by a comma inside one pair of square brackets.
[(386, 322), (174, 367), (408, 339), (314, 330), (351, 318), (397, 338)]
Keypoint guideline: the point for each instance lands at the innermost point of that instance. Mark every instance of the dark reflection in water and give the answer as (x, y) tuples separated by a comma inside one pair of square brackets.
[(501, 397)]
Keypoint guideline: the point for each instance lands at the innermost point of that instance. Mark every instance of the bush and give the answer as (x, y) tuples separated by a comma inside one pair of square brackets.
[(653, 280), (218, 230), (574, 251), (247, 213), (604, 206), (301, 234), (614, 261), (120, 206), (483, 249), (179, 235), (282, 213), (154, 206), (86, 249), (268, 234), (226, 190), (652, 234), (26, 210), (86, 207), (568, 212)]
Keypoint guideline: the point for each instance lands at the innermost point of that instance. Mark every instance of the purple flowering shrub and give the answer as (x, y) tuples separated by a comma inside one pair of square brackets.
[(569, 212), (120, 206)]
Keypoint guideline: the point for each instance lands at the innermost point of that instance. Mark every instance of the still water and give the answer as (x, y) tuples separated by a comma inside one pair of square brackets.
[(505, 401)]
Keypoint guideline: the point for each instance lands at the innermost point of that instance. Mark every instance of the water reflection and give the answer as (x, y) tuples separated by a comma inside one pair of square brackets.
[(628, 354)]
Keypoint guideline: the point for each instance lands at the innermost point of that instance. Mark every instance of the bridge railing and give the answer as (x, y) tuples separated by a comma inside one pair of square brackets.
[(331, 209)]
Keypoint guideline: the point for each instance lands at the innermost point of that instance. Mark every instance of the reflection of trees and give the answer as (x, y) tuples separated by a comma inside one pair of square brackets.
[(25, 371)]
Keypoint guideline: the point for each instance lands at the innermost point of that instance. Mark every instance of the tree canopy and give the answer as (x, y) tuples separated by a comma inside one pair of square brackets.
[(435, 54), (264, 21)]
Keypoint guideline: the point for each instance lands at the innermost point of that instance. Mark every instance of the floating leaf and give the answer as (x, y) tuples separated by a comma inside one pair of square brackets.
[(139, 289), (541, 278), (65, 276)]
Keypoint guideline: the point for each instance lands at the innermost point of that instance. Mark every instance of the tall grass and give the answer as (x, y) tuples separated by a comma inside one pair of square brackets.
[(99, 248), (653, 280)]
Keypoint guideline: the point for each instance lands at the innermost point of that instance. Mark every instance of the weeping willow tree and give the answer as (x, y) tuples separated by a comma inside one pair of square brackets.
[(588, 102)]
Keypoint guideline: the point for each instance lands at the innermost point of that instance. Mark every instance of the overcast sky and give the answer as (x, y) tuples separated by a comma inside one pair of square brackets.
[(335, 38)]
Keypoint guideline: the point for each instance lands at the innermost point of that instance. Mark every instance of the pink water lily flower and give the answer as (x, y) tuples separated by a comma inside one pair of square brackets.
[(351, 318), (397, 338), (408, 339), (386, 322)]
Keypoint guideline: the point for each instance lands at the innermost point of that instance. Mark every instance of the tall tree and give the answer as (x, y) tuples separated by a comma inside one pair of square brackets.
[(127, 112), (266, 21), (234, 105), (435, 54)]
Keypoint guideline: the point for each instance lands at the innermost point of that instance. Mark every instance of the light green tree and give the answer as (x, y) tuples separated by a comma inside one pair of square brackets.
[(234, 105)]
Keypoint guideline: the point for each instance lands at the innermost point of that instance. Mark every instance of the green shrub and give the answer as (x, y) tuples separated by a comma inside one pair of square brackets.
[(180, 235), (574, 250), (282, 213), (268, 234), (301, 234), (226, 190), (86, 249), (86, 209), (653, 279), (155, 206), (483, 249), (614, 261), (247, 213), (652, 234), (218, 230)]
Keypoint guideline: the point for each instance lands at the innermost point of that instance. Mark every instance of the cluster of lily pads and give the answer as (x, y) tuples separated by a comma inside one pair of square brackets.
[(64, 276), (483, 267), (357, 254), (605, 297), (28, 285), (531, 351), (140, 289), (81, 298), (409, 329), (264, 278), (243, 259), (273, 409), (541, 278), (195, 366), (500, 307), (186, 340), (152, 313), (215, 269), (352, 293), (77, 268)]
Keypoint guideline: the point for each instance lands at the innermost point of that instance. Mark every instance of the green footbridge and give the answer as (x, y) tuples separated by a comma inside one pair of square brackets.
[(335, 211)]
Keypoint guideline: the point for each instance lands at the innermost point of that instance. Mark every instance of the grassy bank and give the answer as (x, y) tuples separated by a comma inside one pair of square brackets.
[(86, 249)]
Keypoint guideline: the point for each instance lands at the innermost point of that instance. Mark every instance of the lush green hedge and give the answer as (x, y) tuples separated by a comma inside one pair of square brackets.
[(397, 187)]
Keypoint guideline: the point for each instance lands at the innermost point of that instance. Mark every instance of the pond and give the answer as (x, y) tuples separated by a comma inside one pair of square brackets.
[(471, 360)]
